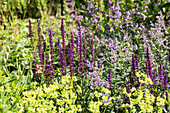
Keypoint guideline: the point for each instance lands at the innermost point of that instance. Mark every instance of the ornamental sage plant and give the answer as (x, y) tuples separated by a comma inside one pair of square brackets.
[(64, 71)]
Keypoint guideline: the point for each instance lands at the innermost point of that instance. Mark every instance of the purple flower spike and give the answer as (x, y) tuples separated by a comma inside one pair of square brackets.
[(150, 70), (30, 30), (92, 52), (85, 58), (34, 57), (44, 43), (31, 39), (44, 50), (77, 44), (146, 67), (131, 79), (169, 58), (166, 83), (110, 81), (137, 63), (133, 64), (40, 44), (51, 46), (147, 54), (63, 34), (80, 68), (60, 55), (72, 40), (166, 80), (160, 69), (70, 50), (139, 84), (63, 38)]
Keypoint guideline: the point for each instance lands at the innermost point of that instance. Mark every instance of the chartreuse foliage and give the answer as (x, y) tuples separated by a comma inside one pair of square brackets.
[(62, 96), (141, 99)]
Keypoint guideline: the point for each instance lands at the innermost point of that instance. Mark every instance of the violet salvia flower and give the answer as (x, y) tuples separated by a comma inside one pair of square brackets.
[(80, 68), (139, 82), (92, 53), (133, 64), (110, 82), (44, 42), (137, 63), (131, 79), (169, 57), (70, 50), (61, 62), (160, 69), (52, 56), (51, 71), (63, 34), (85, 58), (149, 67), (150, 70), (127, 88), (40, 44), (72, 40), (146, 62), (44, 56), (166, 80), (44, 50), (34, 57), (51, 46), (77, 44), (147, 53), (63, 39), (166, 83), (30, 30), (31, 39)]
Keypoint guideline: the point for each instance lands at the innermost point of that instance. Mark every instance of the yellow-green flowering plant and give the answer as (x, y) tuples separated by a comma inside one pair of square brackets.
[(57, 97), (101, 101), (141, 99)]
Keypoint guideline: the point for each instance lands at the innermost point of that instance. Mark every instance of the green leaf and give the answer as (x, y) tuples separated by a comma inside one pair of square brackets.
[(11, 65), (2, 84)]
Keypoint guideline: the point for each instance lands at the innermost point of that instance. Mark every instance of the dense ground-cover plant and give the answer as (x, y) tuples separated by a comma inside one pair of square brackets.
[(105, 58)]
